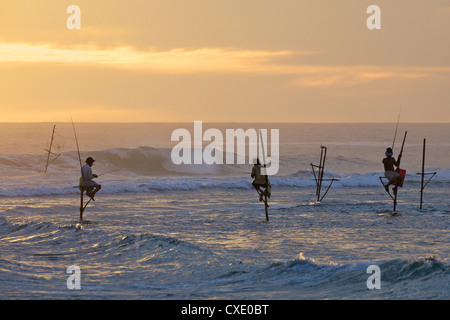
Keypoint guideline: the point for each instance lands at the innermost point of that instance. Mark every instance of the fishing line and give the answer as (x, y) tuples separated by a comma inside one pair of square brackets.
[(76, 139)]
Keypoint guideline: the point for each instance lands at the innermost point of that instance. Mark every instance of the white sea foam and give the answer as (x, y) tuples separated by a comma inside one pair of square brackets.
[(118, 182)]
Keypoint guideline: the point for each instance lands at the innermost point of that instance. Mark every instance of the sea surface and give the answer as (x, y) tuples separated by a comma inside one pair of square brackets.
[(161, 231)]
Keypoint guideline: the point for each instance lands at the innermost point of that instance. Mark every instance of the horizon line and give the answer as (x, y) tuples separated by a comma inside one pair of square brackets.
[(168, 122)]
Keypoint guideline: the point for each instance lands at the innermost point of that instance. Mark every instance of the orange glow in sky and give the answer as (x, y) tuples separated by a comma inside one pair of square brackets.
[(224, 61)]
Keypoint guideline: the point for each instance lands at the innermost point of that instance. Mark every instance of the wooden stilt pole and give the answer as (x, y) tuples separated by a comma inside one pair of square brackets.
[(423, 174), (398, 169), (321, 170), (319, 175), (81, 205), (267, 178), (395, 201), (423, 184), (394, 198), (265, 205), (50, 149)]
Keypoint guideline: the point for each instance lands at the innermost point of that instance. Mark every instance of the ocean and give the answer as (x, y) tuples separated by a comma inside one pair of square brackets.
[(160, 231)]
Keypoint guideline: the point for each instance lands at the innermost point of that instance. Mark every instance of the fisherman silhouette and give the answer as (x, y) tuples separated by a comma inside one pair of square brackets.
[(259, 180), (389, 172), (86, 179)]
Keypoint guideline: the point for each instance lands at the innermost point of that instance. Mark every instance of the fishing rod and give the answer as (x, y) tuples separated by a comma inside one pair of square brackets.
[(76, 140), (101, 174), (82, 206), (401, 151), (49, 151), (401, 172), (395, 134), (262, 147)]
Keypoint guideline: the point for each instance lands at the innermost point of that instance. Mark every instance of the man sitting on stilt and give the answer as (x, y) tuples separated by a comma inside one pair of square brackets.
[(86, 179), (260, 180), (393, 177)]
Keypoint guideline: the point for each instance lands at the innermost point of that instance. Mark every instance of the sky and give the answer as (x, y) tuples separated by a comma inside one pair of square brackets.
[(224, 61)]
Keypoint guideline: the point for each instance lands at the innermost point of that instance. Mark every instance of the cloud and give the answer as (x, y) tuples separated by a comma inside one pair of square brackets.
[(344, 76), (172, 61), (212, 60)]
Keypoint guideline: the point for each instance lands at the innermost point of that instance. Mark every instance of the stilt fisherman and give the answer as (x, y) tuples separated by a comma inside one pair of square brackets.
[(389, 172), (86, 179), (260, 180)]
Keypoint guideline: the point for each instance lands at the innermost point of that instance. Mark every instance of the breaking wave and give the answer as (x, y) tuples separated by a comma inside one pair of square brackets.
[(147, 169), (193, 266)]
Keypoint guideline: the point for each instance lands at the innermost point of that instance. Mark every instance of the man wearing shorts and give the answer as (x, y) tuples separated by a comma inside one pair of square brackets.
[(260, 180), (389, 172), (86, 178)]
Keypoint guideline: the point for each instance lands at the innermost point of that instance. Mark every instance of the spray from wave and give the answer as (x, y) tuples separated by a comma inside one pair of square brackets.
[(146, 169)]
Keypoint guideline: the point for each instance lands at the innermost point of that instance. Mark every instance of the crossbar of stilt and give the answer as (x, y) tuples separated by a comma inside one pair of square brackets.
[(320, 173)]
